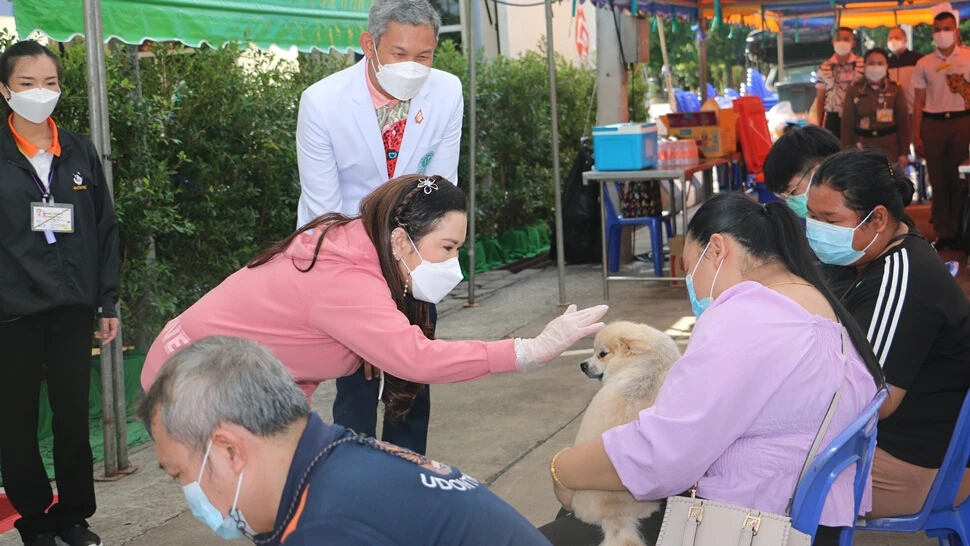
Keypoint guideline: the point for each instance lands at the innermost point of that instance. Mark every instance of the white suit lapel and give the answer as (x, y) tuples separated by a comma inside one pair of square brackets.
[(366, 117), (418, 118)]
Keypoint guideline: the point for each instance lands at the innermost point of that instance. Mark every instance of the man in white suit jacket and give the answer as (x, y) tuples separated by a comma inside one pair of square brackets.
[(341, 153), (389, 115)]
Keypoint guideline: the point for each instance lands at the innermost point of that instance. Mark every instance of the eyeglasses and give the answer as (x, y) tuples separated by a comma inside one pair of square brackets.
[(787, 194)]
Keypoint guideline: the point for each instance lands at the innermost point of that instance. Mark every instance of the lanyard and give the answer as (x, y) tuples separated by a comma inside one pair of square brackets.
[(45, 193)]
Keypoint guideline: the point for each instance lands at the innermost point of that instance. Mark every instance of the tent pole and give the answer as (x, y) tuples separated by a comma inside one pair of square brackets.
[(556, 178), (472, 48), (702, 59), (781, 53), (97, 102)]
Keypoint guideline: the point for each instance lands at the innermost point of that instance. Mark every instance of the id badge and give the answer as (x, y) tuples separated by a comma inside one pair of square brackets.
[(864, 123), (884, 115), (55, 217)]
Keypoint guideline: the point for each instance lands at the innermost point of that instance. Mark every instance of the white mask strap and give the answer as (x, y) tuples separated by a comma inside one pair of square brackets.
[(235, 499), (716, 273), (699, 259), (204, 461)]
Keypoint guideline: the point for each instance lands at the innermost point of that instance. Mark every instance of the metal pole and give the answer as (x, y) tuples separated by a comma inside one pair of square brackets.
[(781, 55), (472, 48), (702, 59), (556, 179), (94, 55)]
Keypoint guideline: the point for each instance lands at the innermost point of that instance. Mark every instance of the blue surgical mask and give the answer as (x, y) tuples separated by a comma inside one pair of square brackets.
[(798, 204), (699, 306), (230, 527), (833, 244)]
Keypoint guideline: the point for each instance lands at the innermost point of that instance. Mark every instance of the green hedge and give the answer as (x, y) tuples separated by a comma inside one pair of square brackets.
[(205, 161)]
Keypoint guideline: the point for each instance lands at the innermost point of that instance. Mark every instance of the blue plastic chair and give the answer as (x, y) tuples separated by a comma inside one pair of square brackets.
[(711, 92), (854, 446), (731, 93), (756, 86), (615, 223), (939, 518)]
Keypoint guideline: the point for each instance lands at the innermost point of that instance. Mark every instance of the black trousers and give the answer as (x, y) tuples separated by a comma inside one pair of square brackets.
[(355, 407), (945, 144), (833, 122), (566, 530), (60, 340)]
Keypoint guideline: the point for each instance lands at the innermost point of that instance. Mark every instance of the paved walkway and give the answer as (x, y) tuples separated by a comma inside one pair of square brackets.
[(503, 429)]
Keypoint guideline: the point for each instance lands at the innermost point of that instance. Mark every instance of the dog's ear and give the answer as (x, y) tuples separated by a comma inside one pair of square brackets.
[(633, 345)]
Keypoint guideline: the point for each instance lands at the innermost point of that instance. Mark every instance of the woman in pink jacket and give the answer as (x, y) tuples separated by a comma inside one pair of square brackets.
[(344, 291)]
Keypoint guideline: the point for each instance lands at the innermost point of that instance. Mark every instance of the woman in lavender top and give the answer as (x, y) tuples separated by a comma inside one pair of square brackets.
[(738, 412)]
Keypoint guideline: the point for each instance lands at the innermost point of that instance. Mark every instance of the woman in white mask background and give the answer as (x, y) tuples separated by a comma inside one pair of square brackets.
[(916, 317), (875, 115), (342, 291), (58, 272)]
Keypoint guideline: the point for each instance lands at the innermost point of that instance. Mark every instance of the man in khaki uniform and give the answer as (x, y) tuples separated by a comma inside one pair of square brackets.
[(875, 115), (941, 123)]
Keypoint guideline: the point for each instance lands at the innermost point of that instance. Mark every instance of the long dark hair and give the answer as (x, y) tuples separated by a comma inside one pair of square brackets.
[(866, 180), (397, 203), (12, 55), (773, 232)]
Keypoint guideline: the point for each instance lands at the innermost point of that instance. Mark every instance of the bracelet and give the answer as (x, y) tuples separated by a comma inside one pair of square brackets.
[(552, 469)]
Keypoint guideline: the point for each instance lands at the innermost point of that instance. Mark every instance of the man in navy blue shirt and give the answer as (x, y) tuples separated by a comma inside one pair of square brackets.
[(233, 428)]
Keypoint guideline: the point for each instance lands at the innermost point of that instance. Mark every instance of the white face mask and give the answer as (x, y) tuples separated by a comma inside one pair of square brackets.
[(34, 105), (842, 48), (896, 46), (430, 281), (401, 80), (875, 73), (944, 39)]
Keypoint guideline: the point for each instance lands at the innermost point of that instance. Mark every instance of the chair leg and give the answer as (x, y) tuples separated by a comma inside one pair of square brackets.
[(657, 244), (671, 227), (613, 240)]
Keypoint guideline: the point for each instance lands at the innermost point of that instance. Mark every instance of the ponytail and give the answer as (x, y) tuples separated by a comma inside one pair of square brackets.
[(773, 232)]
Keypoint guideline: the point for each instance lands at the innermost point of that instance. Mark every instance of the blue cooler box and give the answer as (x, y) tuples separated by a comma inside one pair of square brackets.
[(625, 146)]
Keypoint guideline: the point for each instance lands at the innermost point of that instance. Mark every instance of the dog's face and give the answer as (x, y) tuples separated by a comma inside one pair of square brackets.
[(618, 346)]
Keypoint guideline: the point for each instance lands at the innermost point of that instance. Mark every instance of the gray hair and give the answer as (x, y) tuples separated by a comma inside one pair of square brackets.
[(407, 12), (219, 380)]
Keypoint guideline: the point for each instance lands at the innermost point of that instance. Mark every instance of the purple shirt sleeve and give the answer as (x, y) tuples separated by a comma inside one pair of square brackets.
[(741, 351)]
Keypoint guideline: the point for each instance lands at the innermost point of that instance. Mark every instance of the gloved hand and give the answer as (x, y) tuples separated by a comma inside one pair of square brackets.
[(559, 335)]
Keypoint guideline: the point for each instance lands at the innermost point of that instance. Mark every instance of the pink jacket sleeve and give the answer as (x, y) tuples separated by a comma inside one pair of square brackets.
[(710, 398), (362, 316)]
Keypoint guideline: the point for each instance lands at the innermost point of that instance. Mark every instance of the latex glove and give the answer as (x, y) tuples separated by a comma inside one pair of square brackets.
[(559, 335)]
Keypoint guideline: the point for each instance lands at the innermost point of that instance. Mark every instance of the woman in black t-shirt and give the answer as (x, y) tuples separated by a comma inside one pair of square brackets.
[(916, 317)]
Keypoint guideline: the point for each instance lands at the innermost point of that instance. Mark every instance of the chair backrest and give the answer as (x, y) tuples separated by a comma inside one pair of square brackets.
[(731, 93), (947, 482), (711, 92), (854, 446)]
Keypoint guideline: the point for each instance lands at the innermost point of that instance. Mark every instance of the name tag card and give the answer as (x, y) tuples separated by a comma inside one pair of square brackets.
[(53, 217), (884, 115)]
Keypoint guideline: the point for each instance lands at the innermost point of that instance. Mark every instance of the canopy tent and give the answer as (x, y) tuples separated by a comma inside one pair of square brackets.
[(773, 15), (305, 24)]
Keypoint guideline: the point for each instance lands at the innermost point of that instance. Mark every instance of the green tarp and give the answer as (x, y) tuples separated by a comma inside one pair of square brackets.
[(306, 24), (514, 244), (137, 434)]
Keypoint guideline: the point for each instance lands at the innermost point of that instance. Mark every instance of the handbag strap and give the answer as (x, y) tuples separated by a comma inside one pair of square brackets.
[(817, 443)]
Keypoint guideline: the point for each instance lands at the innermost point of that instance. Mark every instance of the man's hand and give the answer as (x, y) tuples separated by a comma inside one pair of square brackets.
[(918, 144), (109, 330), (903, 161), (370, 371)]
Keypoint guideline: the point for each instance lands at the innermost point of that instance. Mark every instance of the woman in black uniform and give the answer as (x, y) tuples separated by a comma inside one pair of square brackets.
[(58, 271), (916, 317)]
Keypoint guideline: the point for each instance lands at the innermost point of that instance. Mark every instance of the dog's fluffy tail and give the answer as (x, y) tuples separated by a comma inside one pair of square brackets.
[(621, 532)]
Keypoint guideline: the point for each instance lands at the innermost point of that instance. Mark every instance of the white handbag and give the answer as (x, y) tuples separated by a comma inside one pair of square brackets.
[(689, 521)]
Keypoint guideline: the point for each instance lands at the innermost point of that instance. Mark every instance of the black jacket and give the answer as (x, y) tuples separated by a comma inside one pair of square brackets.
[(908, 58), (80, 268)]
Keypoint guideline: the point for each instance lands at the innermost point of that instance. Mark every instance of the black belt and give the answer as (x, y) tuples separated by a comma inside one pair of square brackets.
[(875, 133), (946, 115)]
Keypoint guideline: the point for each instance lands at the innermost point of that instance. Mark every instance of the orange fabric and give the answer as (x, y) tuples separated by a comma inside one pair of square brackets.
[(28, 148), (296, 517)]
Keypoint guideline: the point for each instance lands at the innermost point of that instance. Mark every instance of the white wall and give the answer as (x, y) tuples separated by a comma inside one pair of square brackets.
[(523, 28)]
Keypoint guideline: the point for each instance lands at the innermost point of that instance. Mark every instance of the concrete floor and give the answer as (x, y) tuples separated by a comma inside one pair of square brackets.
[(503, 429)]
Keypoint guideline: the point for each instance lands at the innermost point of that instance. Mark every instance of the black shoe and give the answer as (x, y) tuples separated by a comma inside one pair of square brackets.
[(80, 535), (42, 540)]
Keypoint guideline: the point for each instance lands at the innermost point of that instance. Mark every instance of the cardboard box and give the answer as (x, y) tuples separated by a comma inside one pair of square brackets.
[(676, 265), (700, 126), (727, 120)]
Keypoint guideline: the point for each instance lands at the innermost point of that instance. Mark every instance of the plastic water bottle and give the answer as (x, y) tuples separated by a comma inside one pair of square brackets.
[(663, 151)]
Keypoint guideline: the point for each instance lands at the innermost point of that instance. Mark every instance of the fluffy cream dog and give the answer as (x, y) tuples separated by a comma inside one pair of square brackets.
[(632, 361)]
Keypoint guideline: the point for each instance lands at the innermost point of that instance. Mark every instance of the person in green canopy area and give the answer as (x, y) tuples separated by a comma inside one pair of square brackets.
[(58, 271)]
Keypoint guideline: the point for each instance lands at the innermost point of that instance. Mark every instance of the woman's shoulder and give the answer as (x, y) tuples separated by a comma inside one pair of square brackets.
[(344, 243), (752, 306)]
